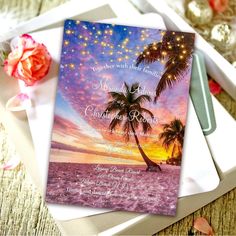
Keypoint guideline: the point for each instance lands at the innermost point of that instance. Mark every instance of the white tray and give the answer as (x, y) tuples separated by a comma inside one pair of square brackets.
[(122, 223)]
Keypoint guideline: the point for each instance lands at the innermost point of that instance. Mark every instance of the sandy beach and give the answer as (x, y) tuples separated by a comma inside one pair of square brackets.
[(118, 187)]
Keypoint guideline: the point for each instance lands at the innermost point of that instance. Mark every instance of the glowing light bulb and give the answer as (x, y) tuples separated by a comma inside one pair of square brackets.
[(66, 42), (72, 66)]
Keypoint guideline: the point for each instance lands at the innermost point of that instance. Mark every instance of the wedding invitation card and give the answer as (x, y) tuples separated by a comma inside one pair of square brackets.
[(120, 116)]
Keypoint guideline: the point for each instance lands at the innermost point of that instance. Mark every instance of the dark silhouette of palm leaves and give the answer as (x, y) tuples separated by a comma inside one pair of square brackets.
[(172, 132), (130, 114), (126, 104), (175, 50)]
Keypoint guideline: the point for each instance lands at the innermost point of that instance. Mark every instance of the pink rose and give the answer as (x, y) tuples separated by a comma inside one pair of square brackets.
[(29, 61)]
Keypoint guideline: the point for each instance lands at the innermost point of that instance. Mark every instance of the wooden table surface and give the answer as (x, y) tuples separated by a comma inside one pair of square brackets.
[(22, 211)]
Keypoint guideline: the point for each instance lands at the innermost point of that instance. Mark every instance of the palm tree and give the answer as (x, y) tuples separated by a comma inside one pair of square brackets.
[(175, 50), (173, 133), (129, 113)]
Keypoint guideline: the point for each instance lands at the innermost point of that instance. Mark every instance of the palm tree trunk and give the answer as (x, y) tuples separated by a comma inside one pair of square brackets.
[(148, 162), (180, 151), (172, 154)]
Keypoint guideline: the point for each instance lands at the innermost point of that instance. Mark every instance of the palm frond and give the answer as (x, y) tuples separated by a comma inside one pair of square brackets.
[(131, 92), (172, 132), (142, 98), (113, 106), (144, 110), (127, 87), (172, 75), (151, 54), (126, 129), (128, 105), (167, 138), (117, 120), (168, 142), (134, 88), (146, 127), (118, 96), (171, 51)]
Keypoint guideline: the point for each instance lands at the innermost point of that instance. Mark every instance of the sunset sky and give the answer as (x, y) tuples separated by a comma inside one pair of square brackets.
[(99, 58)]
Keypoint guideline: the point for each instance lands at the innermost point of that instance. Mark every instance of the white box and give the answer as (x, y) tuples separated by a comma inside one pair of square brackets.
[(122, 223)]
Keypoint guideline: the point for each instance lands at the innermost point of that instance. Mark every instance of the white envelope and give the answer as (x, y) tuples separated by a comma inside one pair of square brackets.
[(223, 140), (198, 170)]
